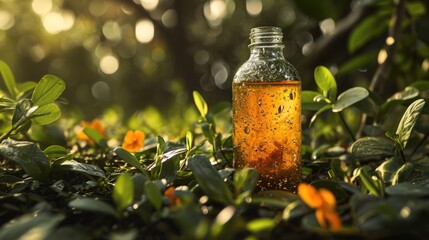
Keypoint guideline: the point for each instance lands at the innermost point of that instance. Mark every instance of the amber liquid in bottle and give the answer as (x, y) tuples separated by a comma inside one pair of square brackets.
[(267, 131)]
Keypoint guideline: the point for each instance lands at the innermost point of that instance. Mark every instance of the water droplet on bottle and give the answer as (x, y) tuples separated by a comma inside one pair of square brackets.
[(291, 96), (259, 102), (280, 109)]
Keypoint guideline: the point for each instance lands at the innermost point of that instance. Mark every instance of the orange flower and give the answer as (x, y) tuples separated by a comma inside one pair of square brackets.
[(95, 124), (323, 201), (133, 141), (174, 200)]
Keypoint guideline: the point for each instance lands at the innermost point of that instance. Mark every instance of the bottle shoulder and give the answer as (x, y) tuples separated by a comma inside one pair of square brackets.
[(254, 70)]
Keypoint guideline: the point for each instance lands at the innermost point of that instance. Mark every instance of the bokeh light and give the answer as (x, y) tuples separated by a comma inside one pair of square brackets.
[(41, 7), (100, 90), (254, 7), (6, 20), (149, 5), (145, 31), (56, 22), (109, 64)]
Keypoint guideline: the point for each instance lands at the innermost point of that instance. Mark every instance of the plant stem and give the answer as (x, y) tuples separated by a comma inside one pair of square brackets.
[(346, 126)]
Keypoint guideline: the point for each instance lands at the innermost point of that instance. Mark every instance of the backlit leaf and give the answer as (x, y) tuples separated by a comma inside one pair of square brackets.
[(350, 97), (129, 158), (369, 28), (48, 114), (96, 136), (153, 194), (403, 174), (48, 90), (408, 120), (326, 82), (123, 192), (200, 103), (8, 79)]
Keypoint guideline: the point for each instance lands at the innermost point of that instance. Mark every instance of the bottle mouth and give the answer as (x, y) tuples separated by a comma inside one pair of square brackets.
[(266, 36)]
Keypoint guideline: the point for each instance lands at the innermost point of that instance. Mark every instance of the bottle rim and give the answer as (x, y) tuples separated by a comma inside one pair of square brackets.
[(266, 36)]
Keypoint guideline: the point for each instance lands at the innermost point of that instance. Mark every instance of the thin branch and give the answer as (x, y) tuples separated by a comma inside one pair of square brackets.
[(383, 70)]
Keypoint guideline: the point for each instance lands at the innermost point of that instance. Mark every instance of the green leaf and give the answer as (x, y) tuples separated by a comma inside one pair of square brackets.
[(96, 136), (209, 179), (138, 182), (86, 168), (408, 121), (48, 114), (92, 205), (130, 159), (369, 28), (388, 169), (421, 85), (25, 87), (31, 226), (409, 92), (398, 99), (349, 97), (28, 155), (408, 189), (153, 194), (123, 192), (403, 174), (23, 110), (371, 184), (8, 79), (261, 225), (326, 82), (55, 151), (357, 62), (245, 180), (308, 103), (369, 148), (48, 89), (189, 140), (201, 104), (322, 110), (416, 9), (160, 145)]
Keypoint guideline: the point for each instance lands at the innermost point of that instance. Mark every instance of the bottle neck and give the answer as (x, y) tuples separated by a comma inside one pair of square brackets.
[(266, 43), (267, 52)]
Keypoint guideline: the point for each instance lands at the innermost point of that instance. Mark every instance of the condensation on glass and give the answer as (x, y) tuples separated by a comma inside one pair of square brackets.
[(267, 113)]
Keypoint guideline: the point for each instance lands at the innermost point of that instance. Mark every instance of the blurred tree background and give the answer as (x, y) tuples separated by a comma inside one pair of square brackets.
[(153, 53)]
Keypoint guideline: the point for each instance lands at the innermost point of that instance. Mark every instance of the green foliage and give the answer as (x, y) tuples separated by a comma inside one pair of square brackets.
[(123, 193), (368, 150)]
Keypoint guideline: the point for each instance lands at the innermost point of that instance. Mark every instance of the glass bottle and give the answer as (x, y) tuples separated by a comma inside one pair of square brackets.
[(266, 107)]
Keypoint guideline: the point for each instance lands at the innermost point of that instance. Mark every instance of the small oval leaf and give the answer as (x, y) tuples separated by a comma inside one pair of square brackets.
[(48, 90), (47, 114), (200, 103), (123, 192), (350, 97), (326, 82)]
